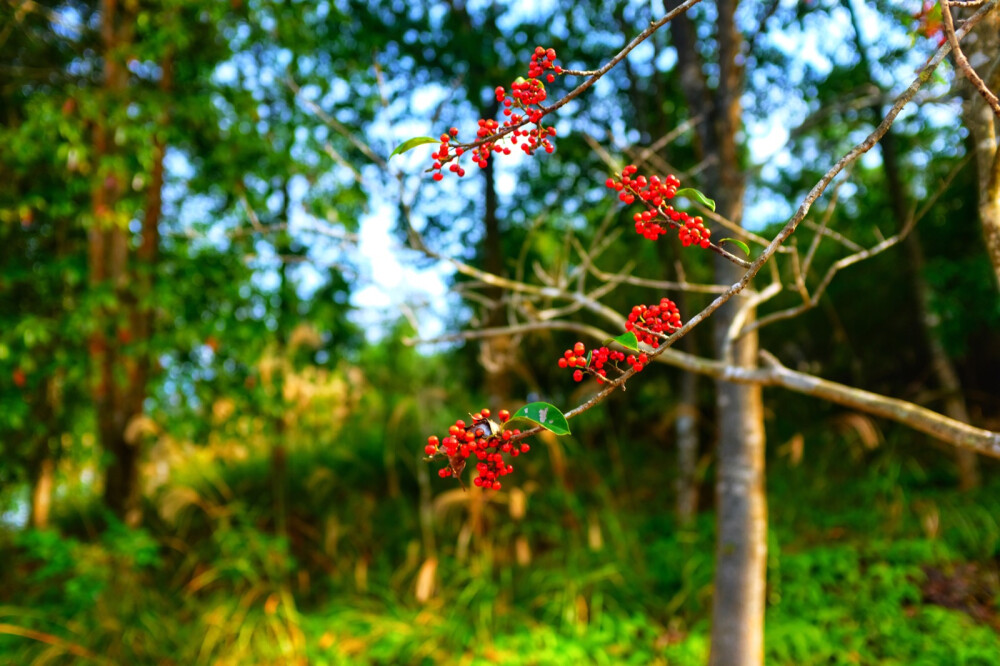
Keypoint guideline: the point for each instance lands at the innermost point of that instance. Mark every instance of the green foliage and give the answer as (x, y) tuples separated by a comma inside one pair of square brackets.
[(628, 340), (609, 578), (738, 243), (540, 414), (696, 195), (410, 144)]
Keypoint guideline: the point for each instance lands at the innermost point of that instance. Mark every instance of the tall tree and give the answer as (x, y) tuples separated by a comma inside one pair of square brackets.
[(741, 503)]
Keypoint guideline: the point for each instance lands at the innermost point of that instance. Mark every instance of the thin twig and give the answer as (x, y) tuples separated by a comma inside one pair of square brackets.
[(594, 77), (252, 214), (833, 235), (658, 284), (338, 126), (837, 266), (963, 64)]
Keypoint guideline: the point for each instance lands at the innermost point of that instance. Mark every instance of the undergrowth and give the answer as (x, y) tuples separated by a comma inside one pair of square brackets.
[(876, 560)]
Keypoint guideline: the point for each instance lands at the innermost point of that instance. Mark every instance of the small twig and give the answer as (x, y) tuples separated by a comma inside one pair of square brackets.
[(837, 266), (833, 235), (814, 245), (963, 64), (339, 159), (657, 284), (665, 140), (332, 122), (655, 160), (252, 214), (581, 302), (768, 13), (931, 200)]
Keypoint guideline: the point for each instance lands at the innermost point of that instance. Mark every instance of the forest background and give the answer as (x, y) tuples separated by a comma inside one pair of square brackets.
[(229, 322)]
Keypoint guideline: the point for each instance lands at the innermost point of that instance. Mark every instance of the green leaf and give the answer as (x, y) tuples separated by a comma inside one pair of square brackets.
[(541, 414), (740, 244), (410, 144), (692, 193), (627, 340), (589, 354)]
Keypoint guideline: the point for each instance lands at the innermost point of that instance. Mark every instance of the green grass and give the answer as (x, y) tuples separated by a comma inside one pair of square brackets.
[(587, 575)]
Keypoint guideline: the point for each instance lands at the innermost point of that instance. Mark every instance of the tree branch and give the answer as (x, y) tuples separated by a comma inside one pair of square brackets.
[(962, 62), (773, 373)]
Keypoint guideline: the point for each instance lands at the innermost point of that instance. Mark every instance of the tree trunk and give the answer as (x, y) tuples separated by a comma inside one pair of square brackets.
[(119, 345), (43, 476), (944, 370), (656, 125), (741, 500), (741, 506), (982, 47), (287, 320), (108, 256), (687, 448), (686, 423), (495, 353), (741, 503)]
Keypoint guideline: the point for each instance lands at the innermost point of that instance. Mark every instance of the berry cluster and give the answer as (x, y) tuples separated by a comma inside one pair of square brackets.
[(651, 323), (526, 92), (522, 107), (483, 439), (595, 363), (541, 60), (693, 232), (652, 190), (654, 221)]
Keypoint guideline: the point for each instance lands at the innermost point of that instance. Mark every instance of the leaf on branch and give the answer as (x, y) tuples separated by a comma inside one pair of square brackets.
[(740, 244), (692, 193), (410, 144), (540, 414), (627, 340)]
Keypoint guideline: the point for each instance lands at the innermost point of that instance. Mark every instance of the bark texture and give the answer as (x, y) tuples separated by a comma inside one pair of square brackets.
[(119, 354), (741, 503), (687, 449), (982, 47), (42, 479)]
